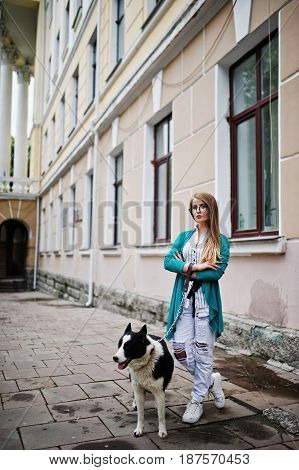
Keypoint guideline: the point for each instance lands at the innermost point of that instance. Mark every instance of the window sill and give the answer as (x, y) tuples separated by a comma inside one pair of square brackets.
[(57, 253), (151, 14), (112, 251), (272, 245), (89, 107), (85, 252), (69, 253), (113, 70)]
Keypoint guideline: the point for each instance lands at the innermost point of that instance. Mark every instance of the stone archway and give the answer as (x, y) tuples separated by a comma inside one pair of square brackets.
[(13, 249)]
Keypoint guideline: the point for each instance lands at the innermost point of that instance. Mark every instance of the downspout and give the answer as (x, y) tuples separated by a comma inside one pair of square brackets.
[(36, 244), (38, 166), (89, 302)]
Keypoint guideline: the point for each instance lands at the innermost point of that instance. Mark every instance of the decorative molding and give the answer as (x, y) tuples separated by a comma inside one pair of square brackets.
[(24, 73)]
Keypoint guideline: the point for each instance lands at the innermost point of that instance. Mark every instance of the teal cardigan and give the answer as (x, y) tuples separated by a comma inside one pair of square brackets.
[(210, 286)]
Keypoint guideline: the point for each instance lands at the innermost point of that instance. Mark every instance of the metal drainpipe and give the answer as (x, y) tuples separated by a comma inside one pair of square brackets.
[(95, 159), (38, 166), (93, 218), (36, 245)]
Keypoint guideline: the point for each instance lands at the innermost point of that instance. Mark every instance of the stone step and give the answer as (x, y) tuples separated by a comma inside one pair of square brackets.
[(13, 285)]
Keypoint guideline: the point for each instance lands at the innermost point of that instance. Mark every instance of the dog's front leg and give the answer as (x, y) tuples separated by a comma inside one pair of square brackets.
[(139, 397), (160, 401)]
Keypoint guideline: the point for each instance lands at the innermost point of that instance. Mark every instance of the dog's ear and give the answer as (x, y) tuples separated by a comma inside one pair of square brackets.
[(143, 331), (129, 328)]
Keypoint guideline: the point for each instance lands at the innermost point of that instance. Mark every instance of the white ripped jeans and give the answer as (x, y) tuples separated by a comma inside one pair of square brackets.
[(193, 345)]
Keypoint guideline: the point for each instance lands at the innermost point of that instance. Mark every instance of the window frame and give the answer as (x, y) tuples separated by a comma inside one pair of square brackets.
[(156, 163), (116, 184), (254, 110)]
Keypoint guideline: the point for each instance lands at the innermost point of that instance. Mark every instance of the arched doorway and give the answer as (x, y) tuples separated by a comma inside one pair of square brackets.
[(13, 249)]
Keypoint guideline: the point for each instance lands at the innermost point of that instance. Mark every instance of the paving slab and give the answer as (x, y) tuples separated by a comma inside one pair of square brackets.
[(116, 443), (256, 431), (172, 398), (266, 399), (102, 389), (10, 440), (52, 371), (63, 394), (294, 408), (27, 364), (85, 408), (231, 410), (22, 399), (59, 434), (8, 386), (72, 379), (124, 423), (20, 374), (18, 417), (35, 383), (208, 437)]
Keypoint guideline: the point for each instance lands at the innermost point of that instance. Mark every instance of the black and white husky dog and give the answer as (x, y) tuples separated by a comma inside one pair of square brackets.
[(151, 366)]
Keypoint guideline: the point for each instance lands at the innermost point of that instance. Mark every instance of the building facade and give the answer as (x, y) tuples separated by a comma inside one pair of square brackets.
[(140, 103)]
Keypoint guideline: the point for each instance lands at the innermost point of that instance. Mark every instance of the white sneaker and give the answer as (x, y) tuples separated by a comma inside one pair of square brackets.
[(193, 412), (216, 391)]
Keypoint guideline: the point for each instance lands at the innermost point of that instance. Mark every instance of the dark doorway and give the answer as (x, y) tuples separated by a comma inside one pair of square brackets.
[(13, 249)]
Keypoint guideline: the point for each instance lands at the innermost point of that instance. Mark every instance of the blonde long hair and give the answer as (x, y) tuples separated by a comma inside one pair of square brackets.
[(211, 250)]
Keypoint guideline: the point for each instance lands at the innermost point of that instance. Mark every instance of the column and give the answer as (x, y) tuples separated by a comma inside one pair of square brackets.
[(5, 114), (21, 143)]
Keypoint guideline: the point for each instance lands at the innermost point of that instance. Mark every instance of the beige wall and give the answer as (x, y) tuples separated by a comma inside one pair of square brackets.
[(188, 91)]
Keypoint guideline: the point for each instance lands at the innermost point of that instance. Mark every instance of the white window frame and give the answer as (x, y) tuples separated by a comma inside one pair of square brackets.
[(62, 123), (59, 224), (87, 214), (42, 230), (91, 92), (71, 218), (49, 227)]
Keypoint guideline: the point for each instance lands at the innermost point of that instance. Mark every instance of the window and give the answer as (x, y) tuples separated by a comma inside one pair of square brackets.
[(42, 230), (62, 121), (67, 25), (49, 236), (254, 134), (77, 10), (87, 222), (92, 67), (75, 85), (44, 155), (71, 228), (59, 223), (57, 47), (118, 172), (120, 20), (53, 148), (163, 135), (50, 12), (151, 4), (49, 77)]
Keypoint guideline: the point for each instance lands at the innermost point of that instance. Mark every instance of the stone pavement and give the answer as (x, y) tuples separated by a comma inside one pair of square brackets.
[(60, 388)]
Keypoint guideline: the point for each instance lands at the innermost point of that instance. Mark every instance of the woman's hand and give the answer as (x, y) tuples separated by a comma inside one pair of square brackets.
[(198, 267)]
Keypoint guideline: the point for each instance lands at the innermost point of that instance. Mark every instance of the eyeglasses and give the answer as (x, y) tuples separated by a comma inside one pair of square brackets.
[(201, 207)]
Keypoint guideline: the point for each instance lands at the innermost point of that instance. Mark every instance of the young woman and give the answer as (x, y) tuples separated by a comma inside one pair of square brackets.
[(203, 254)]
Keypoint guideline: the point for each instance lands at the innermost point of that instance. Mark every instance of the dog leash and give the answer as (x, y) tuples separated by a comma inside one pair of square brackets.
[(186, 290)]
